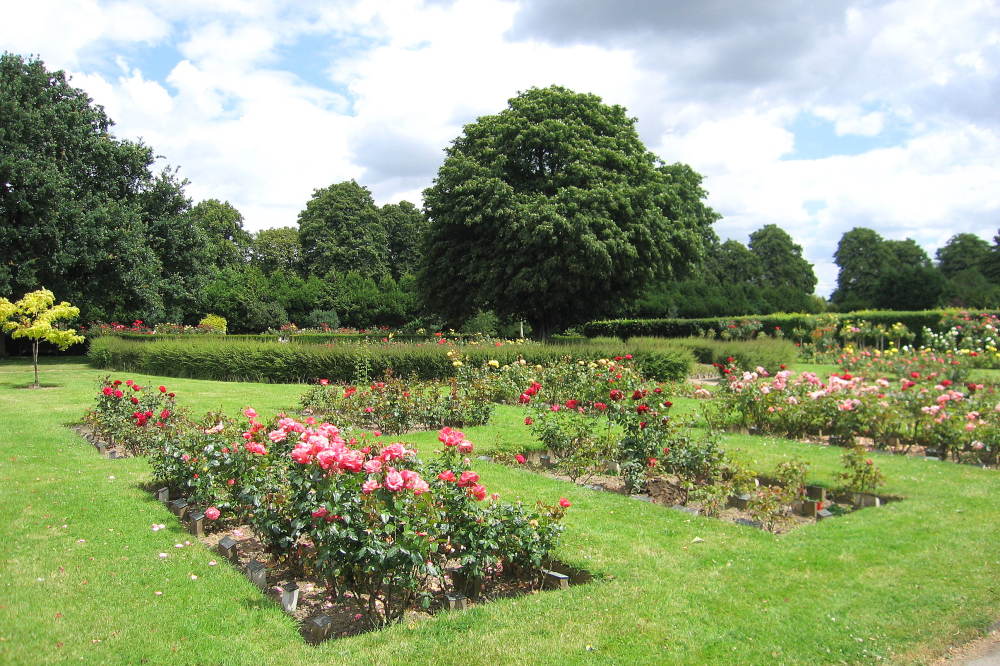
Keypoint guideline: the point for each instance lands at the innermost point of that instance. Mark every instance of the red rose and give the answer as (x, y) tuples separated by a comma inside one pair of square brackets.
[(564, 503), (163, 389), (520, 459), (528, 420)]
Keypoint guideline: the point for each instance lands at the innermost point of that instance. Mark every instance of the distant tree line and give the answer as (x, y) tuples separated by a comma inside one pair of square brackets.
[(550, 212)]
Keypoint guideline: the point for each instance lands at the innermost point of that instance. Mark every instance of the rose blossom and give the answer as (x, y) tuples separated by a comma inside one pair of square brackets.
[(212, 513), (394, 480), (468, 478)]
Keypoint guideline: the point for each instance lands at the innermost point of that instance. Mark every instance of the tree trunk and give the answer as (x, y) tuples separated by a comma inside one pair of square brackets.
[(34, 355)]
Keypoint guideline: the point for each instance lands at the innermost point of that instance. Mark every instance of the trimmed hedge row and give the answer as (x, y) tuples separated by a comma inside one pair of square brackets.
[(682, 328), (766, 352), (234, 360), (282, 362), (301, 338)]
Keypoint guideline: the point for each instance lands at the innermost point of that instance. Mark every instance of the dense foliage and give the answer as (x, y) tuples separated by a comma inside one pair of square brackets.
[(553, 210)]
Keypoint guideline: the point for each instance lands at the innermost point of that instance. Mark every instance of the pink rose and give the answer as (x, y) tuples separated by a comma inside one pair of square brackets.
[(326, 458), (409, 478), (420, 486), (212, 513), (564, 503), (370, 486), (478, 492), (373, 466), (250, 413), (394, 481), (520, 459), (277, 435), (447, 475), (301, 454), (465, 446)]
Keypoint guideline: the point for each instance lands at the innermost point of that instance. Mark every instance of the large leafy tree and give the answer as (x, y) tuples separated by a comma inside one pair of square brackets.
[(229, 244), (340, 230), (781, 260), (861, 256), (553, 210), (991, 263), (278, 250), (181, 245), (889, 274), (404, 225), (962, 252), (70, 212)]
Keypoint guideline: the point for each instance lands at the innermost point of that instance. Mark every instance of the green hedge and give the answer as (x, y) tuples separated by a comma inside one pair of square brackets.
[(765, 352), (283, 362), (682, 328), (300, 338), (214, 357)]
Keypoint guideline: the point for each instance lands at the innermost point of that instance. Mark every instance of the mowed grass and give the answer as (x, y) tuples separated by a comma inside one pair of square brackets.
[(81, 566)]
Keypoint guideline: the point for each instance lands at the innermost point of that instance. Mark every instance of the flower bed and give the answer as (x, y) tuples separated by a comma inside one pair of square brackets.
[(366, 522), (917, 410), (396, 406)]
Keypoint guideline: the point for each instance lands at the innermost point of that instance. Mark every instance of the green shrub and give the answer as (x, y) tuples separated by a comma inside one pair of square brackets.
[(214, 322), (768, 353)]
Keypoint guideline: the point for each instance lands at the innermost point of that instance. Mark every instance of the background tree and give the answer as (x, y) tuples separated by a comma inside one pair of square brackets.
[(278, 250), (732, 262), (34, 316), (405, 226), (229, 244), (887, 274), (552, 210), (781, 261), (181, 247), (861, 256), (242, 294), (962, 252), (991, 263), (70, 213), (340, 230)]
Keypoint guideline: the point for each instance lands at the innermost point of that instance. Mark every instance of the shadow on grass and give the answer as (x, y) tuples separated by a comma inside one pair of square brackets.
[(30, 386)]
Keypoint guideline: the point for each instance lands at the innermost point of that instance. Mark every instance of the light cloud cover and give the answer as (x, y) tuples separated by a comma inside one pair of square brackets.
[(815, 116)]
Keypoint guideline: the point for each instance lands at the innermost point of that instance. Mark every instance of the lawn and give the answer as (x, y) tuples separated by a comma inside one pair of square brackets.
[(81, 566)]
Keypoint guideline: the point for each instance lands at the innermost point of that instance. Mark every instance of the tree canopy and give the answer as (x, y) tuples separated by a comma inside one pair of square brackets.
[(340, 230), (553, 210)]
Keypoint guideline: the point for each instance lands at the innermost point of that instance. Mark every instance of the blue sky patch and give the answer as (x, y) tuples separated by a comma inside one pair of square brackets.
[(816, 138)]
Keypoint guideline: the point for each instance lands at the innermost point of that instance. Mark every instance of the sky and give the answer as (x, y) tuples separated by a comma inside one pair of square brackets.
[(815, 116)]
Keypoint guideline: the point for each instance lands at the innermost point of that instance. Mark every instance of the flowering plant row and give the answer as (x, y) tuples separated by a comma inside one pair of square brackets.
[(396, 406), (903, 363), (586, 381), (975, 338), (652, 451), (916, 410)]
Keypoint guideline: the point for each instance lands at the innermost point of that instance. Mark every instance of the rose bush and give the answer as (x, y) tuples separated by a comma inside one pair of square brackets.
[(131, 415), (918, 409)]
